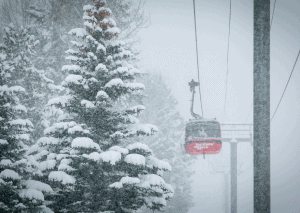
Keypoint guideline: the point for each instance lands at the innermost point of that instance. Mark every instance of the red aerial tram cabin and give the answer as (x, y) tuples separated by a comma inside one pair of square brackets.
[(203, 137)]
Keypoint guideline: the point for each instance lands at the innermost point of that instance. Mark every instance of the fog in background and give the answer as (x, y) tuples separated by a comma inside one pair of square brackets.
[(168, 45)]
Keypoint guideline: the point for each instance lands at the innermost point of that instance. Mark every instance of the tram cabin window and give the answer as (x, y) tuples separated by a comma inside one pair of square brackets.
[(202, 130)]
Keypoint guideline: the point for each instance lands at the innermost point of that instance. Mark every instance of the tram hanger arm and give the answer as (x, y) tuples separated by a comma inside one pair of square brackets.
[(192, 85)]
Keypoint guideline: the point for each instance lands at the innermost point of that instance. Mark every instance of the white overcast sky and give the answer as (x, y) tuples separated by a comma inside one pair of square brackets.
[(168, 46)]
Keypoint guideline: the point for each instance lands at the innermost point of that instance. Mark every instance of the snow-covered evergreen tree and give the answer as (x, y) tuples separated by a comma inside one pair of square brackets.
[(18, 192), (51, 47), (162, 111), (19, 49), (80, 155)]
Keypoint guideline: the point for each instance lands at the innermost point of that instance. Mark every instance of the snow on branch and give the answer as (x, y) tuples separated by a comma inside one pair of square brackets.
[(135, 86), (116, 185), (122, 54), (113, 30), (31, 194), (65, 160), (156, 200), (89, 25), (117, 135), (3, 142), (87, 104), (51, 156), (169, 188), (20, 107), (22, 122), (102, 95), (45, 209), (119, 149), (130, 119), (7, 173), (70, 52), (63, 156), (136, 71), (142, 129), (95, 156), (77, 44), (117, 82), (78, 32), (100, 67), (69, 68), (125, 180), (65, 167), (40, 186), (61, 126), (11, 90), (129, 180), (147, 129), (88, 7), (76, 129), (138, 145), (47, 165), (2, 56), (160, 164), (100, 47), (135, 159), (44, 141), (110, 156), (145, 184), (5, 162), (62, 100), (62, 177), (22, 137), (105, 10), (85, 17), (154, 180), (75, 79), (84, 142), (19, 162)]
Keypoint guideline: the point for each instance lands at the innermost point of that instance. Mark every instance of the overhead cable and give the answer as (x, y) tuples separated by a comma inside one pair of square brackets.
[(286, 85), (249, 112), (272, 14), (197, 56), (227, 59)]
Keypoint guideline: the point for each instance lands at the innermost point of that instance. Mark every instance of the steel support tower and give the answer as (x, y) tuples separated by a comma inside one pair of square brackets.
[(235, 133), (261, 100)]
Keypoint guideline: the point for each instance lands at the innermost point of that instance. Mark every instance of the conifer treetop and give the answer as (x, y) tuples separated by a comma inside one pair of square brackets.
[(98, 22)]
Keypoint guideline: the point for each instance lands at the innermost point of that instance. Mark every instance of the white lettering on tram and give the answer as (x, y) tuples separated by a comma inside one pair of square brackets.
[(200, 146)]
